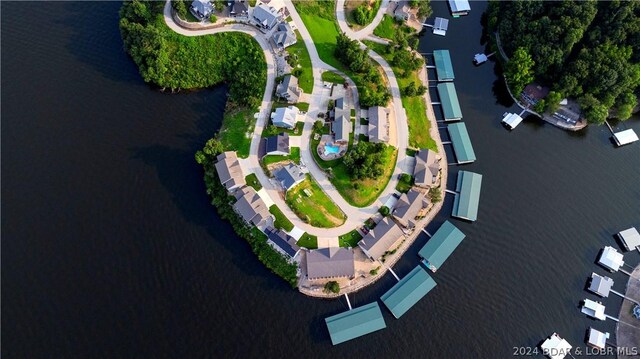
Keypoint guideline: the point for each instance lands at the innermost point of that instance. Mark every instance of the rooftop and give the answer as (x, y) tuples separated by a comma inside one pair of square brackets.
[(461, 143), (285, 242), (593, 309), (408, 291), (630, 238), (625, 137), (277, 143), (409, 206), (555, 347), (229, 171), (597, 338), (380, 239), (289, 176), (600, 285), (332, 262), (441, 245), (427, 168), (442, 59), (466, 202), (355, 323), (449, 101), (611, 259)]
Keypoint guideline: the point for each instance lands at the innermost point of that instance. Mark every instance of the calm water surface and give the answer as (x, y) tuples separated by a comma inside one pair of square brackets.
[(111, 249)]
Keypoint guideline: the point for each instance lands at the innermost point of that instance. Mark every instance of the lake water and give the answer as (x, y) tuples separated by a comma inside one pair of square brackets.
[(111, 248)]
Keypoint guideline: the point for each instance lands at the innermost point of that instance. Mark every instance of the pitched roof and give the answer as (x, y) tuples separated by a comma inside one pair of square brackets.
[(267, 16), (408, 207), (288, 88), (342, 128), (330, 263), (380, 239), (378, 124), (229, 171), (461, 142), (630, 238), (600, 285), (289, 176), (427, 167), (285, 116), (465, 204), (408, 291), (203, 7), (284, 36), (277, 143), (449, 101), (441, 245), (239, 8), (444, 67), (283, 241), (355, 323), (251, 207)]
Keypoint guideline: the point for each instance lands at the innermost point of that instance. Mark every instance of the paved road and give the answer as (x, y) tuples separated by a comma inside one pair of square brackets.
[(366, 31)]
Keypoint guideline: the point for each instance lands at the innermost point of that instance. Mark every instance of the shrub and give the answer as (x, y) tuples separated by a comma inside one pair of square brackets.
[(332, 287)]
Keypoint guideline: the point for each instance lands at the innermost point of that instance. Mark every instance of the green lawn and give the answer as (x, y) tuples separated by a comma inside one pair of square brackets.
[(272, 130), (281, 222), (252, 180), (294, 156), (237, 127), (314, 206), (308, 241), (302, 106), (305, 78), (332, 77), (405, 183), (415, 107), (350, 239), (386, 28), (350, 7)]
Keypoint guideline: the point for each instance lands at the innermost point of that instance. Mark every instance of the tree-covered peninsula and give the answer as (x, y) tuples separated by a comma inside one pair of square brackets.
[(588, 50)]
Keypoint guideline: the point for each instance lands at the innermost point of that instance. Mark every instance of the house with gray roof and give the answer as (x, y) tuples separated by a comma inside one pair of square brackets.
[(201, 9), (238, 8), (288, 89), (285, 117), (427, 170), (341, 129), (408, 207), (402, 11), (334, 262), (277, 145), (229, 171), (252, 208), (284, 36), (282, 242), (378, 124), (265, 17), (289, 176), (380, 239)]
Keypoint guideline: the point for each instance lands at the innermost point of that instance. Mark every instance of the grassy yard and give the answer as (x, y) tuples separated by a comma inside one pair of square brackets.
[(281, 222), (252, 180), (405, 183), (237, 127), (294, 156), (302, 106), (308, 241), (313, 205), (386, 28), (419, 124), (332, 77), (305, 78), (349, 239), (272, 130), (351, 5)]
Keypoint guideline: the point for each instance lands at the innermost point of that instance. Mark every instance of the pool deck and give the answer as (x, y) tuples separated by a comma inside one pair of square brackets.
[(628, 329)]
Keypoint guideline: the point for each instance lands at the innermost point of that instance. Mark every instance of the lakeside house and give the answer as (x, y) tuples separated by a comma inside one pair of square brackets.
[(289, 176), (378, 124), (251, 207), (201, 9), (229, 171), (288, 89), (238, 8), (282, 242), (285, 117), (402, 12), (265, 17), (334, 262), (284, 36), (277, 145), (380, 239), (427, 170), (341, 126), (409, 207)]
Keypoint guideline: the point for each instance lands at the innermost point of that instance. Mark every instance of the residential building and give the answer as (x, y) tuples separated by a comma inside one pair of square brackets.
[(252, 208), (409, 206), (378, 124), (229, 171), (282, 242), (334, 262), (288, 89), (201, 9), (402, 11), (289, 176), (427, 170), (380, 239), (238, 8), (265, 17), (277, 145), (285, 117), (284, 36), (341, 129)]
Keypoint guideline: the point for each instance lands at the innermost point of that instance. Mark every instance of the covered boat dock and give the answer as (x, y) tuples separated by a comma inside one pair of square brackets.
[(625, 137), (465, 204), (441, 245), (449, 100), (408, 291), (355, 323), (461, 142), (444, 67)]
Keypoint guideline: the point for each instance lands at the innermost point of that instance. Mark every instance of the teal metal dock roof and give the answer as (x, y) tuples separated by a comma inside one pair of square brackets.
[(444, 68), (441, 245), (461, 142), (355, 323), (465, 204), (406, 293), (449, 101)]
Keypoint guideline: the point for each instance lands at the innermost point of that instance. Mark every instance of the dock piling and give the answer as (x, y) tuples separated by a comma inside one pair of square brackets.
[(348, 302)]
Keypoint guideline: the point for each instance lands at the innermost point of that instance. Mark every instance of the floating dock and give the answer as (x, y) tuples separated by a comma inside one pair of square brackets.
[(611, 259), (630, 239), (597, 339), (465, 203), (355, 323), (408, 291), (449, 101), (600, 285), (441, 245), (444, 67), (555, 347), (593, 309), (511, 120), (625, 137), (440, 26), (461, 142)]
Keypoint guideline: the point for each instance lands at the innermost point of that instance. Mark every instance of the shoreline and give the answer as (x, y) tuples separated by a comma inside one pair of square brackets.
[(626, 336)]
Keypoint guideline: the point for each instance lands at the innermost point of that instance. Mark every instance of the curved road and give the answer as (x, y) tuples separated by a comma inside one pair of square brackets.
[(365, 32)]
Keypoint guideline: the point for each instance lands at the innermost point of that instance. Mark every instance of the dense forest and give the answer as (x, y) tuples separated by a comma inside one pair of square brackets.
[(588, 50), (172, 61)]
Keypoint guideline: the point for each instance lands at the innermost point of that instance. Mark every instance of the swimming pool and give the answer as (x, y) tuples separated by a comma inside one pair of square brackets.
[(331, 149)]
